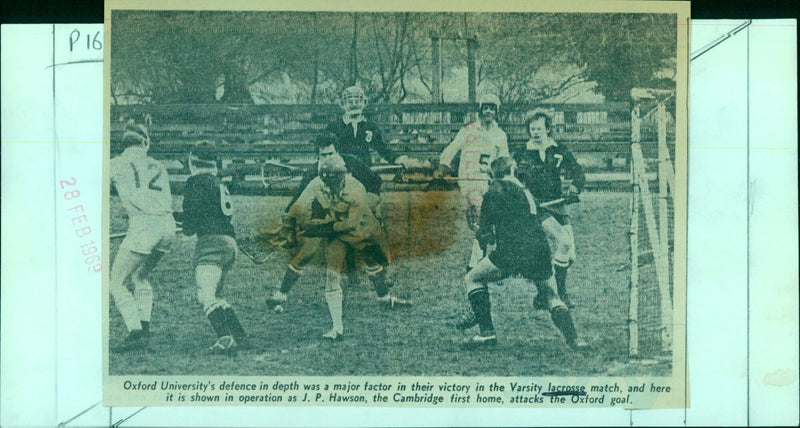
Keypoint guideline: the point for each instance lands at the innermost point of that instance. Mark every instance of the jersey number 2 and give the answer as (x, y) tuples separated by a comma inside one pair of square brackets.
[(152, 184)]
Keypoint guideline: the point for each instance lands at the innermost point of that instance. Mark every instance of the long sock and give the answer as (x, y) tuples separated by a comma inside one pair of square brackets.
[(129, 309), (561, 280), (334, 300), (289, 279), (350, 260), (144, 299), (218, 320), (482, 307), (378, 279), (232, 324), (563, 321)]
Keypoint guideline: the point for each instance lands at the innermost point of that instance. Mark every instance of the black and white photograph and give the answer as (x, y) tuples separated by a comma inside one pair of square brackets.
[(361, 204)]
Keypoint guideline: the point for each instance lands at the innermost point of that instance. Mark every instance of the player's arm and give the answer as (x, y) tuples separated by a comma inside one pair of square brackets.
[(572, 169), (192, 206), (380, 145), (452, 149), (502, 146), (300, 210)]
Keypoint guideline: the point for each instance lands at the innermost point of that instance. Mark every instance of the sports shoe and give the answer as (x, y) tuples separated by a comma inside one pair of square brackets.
[(136, 341), (392, 302), (333, 335), (480, 340), (225, 345), (466, 321), (276, 300), (578, 345)]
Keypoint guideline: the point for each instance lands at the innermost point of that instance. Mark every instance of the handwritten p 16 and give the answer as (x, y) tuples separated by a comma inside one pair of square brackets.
[(92, 43)]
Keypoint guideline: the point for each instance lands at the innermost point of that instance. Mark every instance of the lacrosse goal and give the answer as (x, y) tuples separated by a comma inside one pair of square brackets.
[(650, 314)]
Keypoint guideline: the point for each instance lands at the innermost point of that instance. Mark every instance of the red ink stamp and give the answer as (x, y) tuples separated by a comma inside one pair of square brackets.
[(79, 222)]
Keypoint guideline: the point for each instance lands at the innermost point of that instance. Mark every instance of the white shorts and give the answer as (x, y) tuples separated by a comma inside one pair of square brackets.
[(472, 191), (147, 233)]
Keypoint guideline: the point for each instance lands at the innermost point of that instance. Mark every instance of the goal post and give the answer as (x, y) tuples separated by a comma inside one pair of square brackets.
[(650, 321)]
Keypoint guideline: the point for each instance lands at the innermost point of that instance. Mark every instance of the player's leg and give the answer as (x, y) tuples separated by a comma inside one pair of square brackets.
[(377, 262), (572, 254), (350, 273), (125, 263), (472, 192), (162, 231), (230, 250), (559, 313), (472, 196), (564, 247), (376, 205), (334, 261), (476, 282), (143, 290), (308, 247), (214, 255)]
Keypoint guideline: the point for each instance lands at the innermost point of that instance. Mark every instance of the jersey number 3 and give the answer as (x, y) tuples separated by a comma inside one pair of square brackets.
[(152, 183)]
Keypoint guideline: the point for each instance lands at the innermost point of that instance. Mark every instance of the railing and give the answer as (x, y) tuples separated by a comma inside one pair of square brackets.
[(402, 123)]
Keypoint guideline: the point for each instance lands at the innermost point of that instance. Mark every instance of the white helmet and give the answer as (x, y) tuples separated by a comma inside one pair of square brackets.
[(353, 100), (489, 105), (135, 134)]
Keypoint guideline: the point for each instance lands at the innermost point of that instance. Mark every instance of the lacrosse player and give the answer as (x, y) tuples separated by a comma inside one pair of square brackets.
[(307, 246), (479, 143), (143, 187), (541, 167), (509, 222), (334, 209), (207, 212), (355, 138)]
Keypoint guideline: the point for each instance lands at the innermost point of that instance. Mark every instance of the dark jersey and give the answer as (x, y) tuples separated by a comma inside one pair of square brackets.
[(543, 176), (360, 140), (207, 207), (508, 219)]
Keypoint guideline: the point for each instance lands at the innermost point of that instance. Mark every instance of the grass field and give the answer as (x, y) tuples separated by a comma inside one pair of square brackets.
[(430, 244)]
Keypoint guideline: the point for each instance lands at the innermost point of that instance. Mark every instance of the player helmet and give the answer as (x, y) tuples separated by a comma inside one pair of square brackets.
[(203, 159), (489, 105), (353, 100), (332, 171), (135, 134)]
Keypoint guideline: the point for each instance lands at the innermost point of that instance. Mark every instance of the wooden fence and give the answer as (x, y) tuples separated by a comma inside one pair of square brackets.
[(282, 130)]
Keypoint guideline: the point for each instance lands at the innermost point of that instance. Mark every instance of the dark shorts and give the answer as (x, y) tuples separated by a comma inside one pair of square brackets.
[(531, 260), (558, 212), (218, 250)]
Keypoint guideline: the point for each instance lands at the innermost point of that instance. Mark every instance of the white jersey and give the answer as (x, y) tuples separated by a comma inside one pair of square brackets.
[(142, 183), (479, 146)]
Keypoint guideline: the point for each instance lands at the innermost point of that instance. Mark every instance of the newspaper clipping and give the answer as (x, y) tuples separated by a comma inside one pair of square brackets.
[(453, 204)]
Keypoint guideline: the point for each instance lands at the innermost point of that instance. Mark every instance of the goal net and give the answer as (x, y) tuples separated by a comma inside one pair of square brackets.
[(651, 237)]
